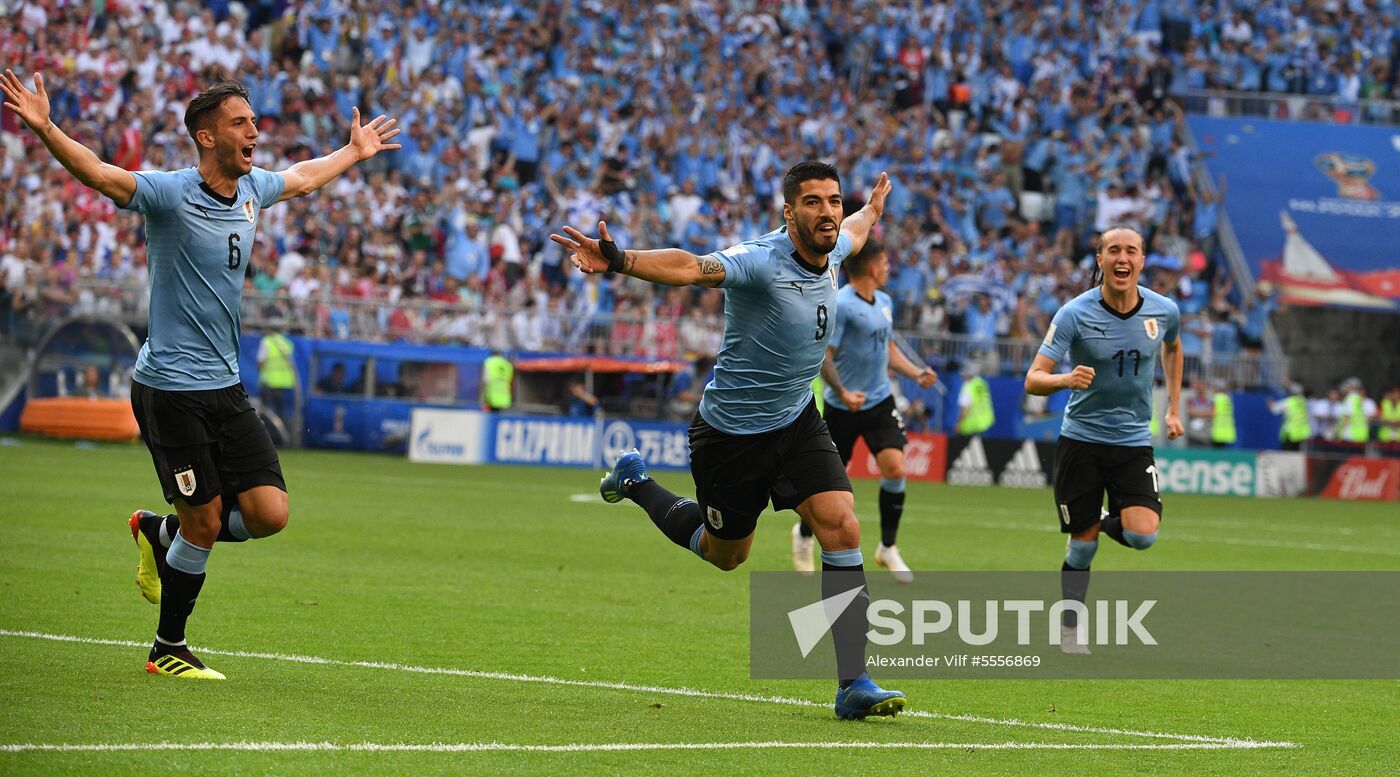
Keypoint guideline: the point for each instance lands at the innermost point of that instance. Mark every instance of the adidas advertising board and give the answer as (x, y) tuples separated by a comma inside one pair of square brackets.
[(969, 465), (977, 461), (1025, 469)]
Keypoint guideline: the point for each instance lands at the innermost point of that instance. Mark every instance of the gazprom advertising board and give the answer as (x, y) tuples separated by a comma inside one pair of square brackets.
[(474, 437)]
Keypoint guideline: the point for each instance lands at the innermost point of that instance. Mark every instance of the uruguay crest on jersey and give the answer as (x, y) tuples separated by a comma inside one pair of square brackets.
[(1150, 324)]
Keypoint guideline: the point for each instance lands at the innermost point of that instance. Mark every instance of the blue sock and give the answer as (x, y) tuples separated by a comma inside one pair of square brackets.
[(236, 529), (1139, 541), (185, 557), (1079, 555), (695, 541)]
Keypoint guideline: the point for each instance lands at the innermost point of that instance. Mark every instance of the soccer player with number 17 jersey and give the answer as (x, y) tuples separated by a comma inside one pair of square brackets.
[(1111, 334)]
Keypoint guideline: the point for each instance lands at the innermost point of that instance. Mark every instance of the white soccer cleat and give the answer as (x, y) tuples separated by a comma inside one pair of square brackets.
[(888, 556), (802, 551), (1069, 641)]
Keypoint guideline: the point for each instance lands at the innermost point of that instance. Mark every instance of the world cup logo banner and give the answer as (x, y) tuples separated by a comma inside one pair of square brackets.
[(1350, 172)]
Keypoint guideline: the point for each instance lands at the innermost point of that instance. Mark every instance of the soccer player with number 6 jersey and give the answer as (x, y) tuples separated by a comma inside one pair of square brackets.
[(213, 456), (1112, 334)]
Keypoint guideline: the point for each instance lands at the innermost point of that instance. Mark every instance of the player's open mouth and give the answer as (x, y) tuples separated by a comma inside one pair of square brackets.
[(248, 152), (1122, 272), (827, 229)]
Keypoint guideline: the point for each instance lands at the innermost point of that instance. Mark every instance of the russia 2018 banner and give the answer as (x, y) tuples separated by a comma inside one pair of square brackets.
[(1322, 216)]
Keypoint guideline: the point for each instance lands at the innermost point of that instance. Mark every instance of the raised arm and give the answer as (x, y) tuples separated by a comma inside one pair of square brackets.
[(668, 266), (1173, 358), (1042, 382), (306, 177), (33, 109), (857, 225)]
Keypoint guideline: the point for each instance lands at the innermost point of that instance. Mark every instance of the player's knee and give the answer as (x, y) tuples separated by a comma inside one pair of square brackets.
[(1139, 541), (200, 523), (272, 522), (730, 561)]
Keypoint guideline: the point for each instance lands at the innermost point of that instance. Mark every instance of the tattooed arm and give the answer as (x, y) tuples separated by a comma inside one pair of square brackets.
[(669, 266)]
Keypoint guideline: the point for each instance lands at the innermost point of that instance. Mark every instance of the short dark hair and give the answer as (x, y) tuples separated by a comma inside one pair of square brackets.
[(858, 264), (810, 170), (208, 101)]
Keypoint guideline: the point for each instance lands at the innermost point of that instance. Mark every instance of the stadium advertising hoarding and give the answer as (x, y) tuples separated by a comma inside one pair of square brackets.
[(1142, 625), (1322, 220), (475, 437), (977, 461), (1280, 474), (925, 458), (1205, 471), (1354, 478)]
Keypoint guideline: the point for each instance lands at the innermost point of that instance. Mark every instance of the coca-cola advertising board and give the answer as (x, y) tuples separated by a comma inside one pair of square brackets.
[(925, 458)]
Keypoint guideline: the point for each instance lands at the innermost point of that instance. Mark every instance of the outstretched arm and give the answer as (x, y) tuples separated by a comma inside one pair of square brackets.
[(33, 109), (669, 266), (306, 177), (857, 225)]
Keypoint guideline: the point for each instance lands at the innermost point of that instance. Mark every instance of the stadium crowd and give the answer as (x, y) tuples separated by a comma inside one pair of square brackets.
[(1013, 132)]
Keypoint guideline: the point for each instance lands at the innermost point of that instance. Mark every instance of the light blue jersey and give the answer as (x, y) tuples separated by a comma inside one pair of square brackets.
[(1116, 408), (197, 252), (778, 315), (862, 343)]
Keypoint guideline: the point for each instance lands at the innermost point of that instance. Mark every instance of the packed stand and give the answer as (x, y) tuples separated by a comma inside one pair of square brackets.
[(1013, 133)]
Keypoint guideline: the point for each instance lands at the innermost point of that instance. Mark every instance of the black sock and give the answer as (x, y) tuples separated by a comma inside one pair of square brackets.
[(891, 508), (676, 517), (850, 627), (1113, 527), (1074, 585), (179, 590), (804, 529), (230, 504)]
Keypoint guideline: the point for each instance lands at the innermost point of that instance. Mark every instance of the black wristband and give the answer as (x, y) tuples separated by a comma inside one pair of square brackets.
[(613, 254)]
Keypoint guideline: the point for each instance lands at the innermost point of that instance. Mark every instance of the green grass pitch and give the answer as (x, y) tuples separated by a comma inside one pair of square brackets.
[(481, 572)]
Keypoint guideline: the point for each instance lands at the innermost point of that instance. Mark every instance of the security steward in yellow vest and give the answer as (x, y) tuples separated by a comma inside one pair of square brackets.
[(497, 380)]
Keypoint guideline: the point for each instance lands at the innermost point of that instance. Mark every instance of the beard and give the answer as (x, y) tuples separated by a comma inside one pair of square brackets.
[(815, 242)]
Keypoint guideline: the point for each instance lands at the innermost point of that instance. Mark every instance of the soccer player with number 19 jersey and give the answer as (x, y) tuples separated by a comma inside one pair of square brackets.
[(213, 456), (1111, 334)]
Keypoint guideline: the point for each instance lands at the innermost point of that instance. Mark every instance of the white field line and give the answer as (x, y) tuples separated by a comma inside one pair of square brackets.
[(1050, 528), (465, 747), (547, 680)]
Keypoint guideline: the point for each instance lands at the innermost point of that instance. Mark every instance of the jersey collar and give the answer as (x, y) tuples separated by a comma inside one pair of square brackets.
[(219, 198), (1123, 316)]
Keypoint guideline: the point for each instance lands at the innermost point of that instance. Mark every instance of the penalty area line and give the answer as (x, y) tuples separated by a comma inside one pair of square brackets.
[(467, 747), (1232, 742)]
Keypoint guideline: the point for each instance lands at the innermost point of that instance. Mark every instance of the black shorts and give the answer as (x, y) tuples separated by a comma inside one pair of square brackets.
[(1085, 470), (205, 443), (737, 474), (881, 426)]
